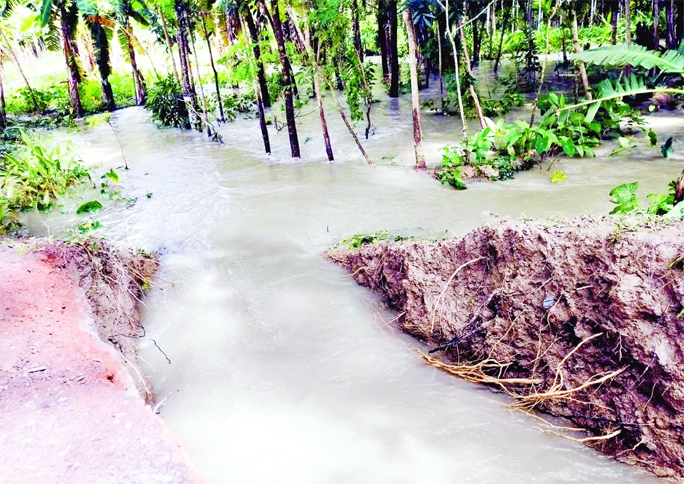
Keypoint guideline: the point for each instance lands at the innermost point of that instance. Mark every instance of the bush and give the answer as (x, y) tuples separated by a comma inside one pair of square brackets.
[(34, 176), (165, 102)]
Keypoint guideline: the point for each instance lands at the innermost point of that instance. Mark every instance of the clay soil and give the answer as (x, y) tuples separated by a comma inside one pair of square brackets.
[(72, 393), (581, 319)]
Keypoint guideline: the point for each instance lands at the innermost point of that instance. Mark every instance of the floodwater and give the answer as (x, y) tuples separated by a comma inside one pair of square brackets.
[(282, 368)]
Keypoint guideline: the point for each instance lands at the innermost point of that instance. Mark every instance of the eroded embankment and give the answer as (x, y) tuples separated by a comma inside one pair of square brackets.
[(72, 396), (581, 319)]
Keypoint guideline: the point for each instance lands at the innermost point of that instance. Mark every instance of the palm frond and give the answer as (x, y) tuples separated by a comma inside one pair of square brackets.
[(670, 61), (625, 87)]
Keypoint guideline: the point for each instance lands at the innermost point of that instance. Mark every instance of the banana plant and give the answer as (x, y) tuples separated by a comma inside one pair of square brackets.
[(608, 90), (65, 13)]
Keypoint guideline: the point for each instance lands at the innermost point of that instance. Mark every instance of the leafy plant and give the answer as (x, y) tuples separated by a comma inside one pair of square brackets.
[(88, 207), (624, 197), (35, 175), (165, 102)]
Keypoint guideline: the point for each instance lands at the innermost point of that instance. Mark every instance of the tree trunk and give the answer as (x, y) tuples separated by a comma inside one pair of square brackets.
[(628, 22), (199, 81), (287, 81), (382, 37), (394, 53), (477, 44), (348, 125), (3, 107), (357, 29), (671, 37), (21, 71), (100, 43), (189, 95), (73, 75), (614, 20), (457, 71), (576, 49), (679, 23), (415, 94), (439, 54), (656, 25), (213, 68), (138, 80), (169, 46), (319, 95), (262, 118), (471, 88), (261, 76), (507, 16)]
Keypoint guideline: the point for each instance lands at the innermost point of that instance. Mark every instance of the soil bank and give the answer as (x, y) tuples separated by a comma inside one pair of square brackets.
[(580, 319), (72, 407)]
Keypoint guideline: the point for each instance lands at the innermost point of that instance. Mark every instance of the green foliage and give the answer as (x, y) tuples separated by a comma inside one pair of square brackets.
[(666, 149), (625, 199), (625, 144), (670, 61), (165, 102), (35, 175), (652, 137), (359, 240), (87, 207), (558, 176)]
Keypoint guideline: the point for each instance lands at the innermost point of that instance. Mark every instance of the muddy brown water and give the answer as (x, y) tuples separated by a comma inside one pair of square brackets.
[(281, 368)]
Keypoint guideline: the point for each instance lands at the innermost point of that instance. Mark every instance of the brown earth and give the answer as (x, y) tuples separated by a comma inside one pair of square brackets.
[(72, 408), (580, 319)]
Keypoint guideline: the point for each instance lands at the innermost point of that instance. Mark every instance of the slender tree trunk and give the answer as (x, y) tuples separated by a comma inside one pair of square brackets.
[(656, 25), (382, 37), (356, 29), (671, 37), (201, 85), (262, 118), (546, 55), (73, 76), (189, 95), (169, 45), (506, 18), (394, 53), (457, 71), (576, 49), (261, 75), (21, 71), (3, 107), (679, 23), (614, 20), (477, 44), (348, 125), (628, 22), (287, 81), (319, 95), (138, 80), (213, 68), (439, 53), (471, 88), (415, 94)]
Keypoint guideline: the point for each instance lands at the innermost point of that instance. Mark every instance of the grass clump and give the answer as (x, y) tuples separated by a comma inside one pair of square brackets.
[(33, 176), (359, 240)]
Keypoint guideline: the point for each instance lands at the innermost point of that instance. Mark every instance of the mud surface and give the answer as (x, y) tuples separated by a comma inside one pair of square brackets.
[(579, 319), (70, 409)]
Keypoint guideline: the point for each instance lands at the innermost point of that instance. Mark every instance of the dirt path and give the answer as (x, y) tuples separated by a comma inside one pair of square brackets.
[(69, 411)]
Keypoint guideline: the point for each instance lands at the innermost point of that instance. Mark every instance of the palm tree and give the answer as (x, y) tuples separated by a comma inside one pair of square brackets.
[(100, 38)]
